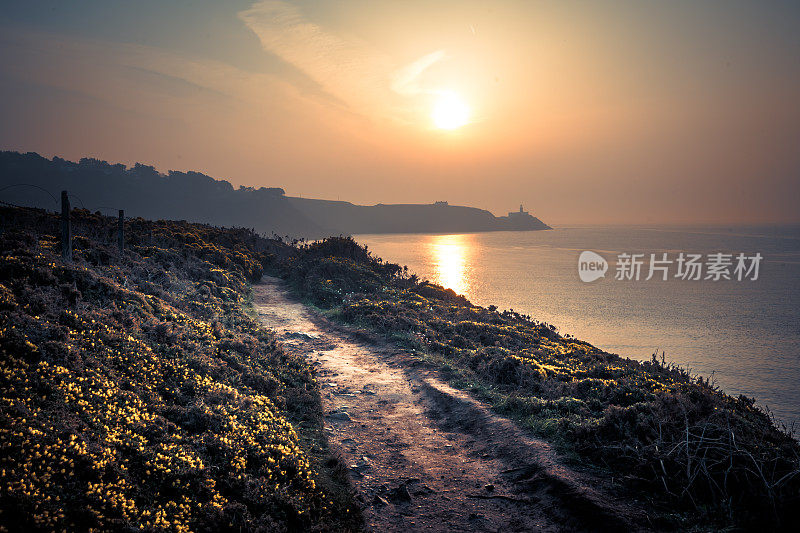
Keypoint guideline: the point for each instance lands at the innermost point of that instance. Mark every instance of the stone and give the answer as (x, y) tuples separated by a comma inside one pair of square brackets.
[(378, 501), (340, 415), (400, 494)]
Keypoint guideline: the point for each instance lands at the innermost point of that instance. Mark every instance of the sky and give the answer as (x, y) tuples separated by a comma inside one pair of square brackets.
[(617, 112)]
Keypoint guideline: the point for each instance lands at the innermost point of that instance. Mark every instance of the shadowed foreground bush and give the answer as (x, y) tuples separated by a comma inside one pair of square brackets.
[(136, 393)]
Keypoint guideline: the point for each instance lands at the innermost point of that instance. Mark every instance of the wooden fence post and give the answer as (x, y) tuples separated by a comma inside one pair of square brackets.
[(121, 232), (66, 230)]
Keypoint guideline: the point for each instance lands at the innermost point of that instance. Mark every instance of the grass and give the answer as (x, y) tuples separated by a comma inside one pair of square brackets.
[(137, 392), (701, 458)]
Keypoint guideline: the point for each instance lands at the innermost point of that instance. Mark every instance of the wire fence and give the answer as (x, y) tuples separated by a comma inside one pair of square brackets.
[(112, 230), (52, 197)]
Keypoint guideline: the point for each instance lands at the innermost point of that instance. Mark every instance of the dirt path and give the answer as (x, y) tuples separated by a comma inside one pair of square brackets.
[(427, 457)]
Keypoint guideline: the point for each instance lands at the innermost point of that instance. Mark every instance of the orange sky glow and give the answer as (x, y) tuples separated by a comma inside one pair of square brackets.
[(623, 112)]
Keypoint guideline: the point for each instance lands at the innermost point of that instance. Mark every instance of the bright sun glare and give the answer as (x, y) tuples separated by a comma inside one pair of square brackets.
[(449, 111)]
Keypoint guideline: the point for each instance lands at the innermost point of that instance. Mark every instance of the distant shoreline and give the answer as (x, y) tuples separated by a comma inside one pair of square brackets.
[(141, 191)]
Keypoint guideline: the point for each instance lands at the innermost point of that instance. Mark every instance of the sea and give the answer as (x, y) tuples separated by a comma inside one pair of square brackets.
[(742, 332)]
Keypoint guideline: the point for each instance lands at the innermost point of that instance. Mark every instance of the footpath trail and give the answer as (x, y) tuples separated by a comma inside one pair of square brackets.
[(426, 457)]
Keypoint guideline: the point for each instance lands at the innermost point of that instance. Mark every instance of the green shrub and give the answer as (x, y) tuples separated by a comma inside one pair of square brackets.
[(137, 393)]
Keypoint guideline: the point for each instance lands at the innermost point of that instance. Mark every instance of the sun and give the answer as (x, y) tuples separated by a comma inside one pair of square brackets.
[(449, 111)]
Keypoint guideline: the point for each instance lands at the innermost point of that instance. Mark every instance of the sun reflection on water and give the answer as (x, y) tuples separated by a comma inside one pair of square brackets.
[(450, 254)]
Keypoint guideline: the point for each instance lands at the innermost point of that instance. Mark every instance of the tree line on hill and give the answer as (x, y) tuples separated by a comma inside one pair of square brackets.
[(142, 191)]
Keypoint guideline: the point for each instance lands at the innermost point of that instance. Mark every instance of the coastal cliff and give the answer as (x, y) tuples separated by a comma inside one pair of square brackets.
[(34, 181), (440, 217), (144, 376)]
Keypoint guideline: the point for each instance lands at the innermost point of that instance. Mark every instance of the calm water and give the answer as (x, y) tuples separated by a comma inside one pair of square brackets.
[(746, 333)]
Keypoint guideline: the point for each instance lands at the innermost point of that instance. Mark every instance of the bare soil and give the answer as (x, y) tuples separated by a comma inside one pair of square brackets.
[(424, 456)]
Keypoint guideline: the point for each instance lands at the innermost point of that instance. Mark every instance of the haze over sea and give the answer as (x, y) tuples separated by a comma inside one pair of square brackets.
[(744, 333)]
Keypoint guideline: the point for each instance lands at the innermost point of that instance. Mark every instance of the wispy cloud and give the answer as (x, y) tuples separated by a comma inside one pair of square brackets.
[(113, 72), (346, 71), (348, 68), (406, 80)]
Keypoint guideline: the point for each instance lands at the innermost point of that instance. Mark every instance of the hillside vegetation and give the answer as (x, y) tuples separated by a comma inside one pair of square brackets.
[(701, 458), (136, 393)]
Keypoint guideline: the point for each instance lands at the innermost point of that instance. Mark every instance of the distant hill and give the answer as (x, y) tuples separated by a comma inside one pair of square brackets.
[(410, 218), (142, 191)]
